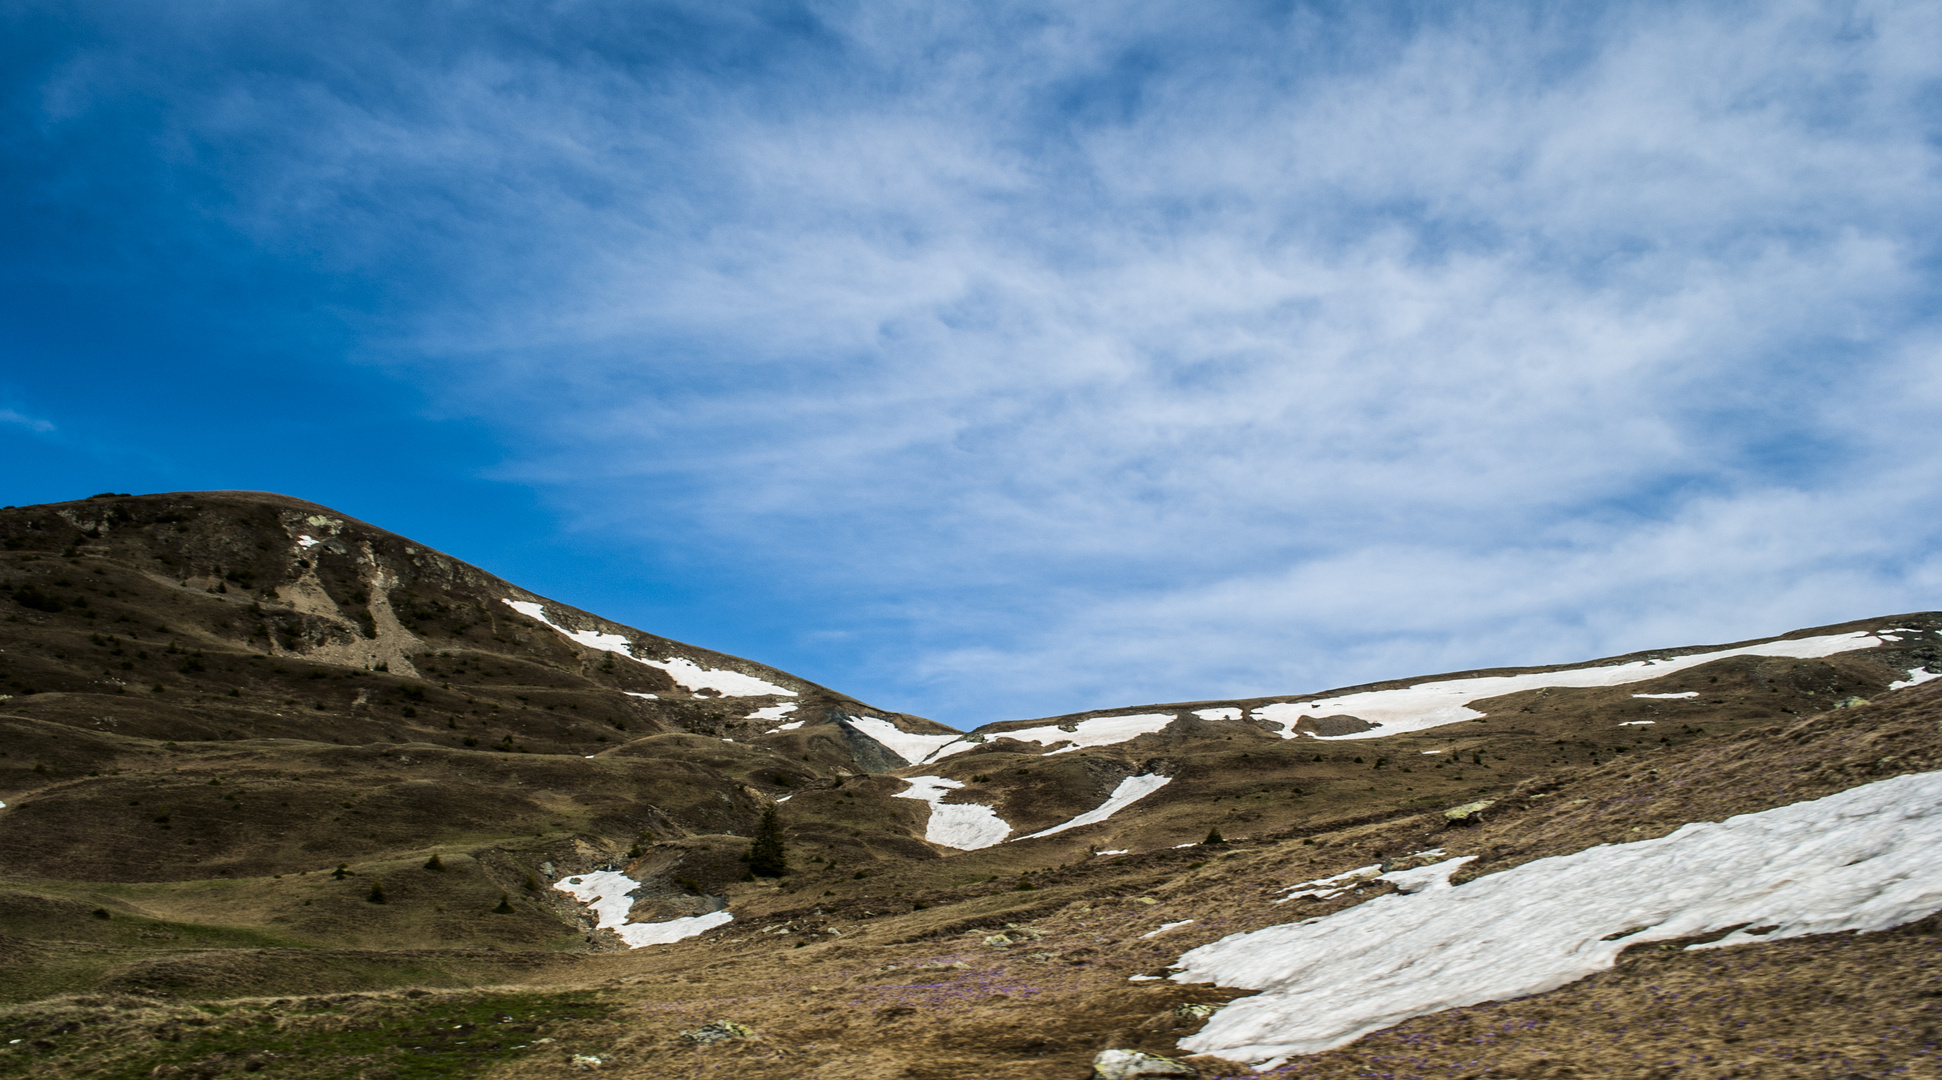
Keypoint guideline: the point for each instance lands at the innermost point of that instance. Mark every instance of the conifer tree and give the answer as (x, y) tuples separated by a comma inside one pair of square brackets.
[(766, 857)]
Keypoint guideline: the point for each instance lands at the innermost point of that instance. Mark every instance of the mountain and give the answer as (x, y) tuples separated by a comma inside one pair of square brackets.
[(284, 791)]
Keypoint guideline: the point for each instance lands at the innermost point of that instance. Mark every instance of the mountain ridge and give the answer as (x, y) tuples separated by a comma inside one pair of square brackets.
[(257, 751)]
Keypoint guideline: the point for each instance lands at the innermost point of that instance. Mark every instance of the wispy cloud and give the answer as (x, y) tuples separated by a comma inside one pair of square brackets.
[(9, 416), (1049, 357)]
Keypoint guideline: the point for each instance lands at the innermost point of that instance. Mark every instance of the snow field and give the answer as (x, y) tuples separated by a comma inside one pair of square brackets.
[(1130, 790), (1433, 704), (1862, 859), (1098, 731), (965, 826), (910, 746), (1218, 714), (685, 672), (607, 892)]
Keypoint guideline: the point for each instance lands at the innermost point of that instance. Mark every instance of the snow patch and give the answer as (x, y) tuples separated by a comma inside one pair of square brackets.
[(607, 893), (790, 726), (1669, 697), (638, 694), (965, 826), (1432, 704), (1164, 927), (307, 542), (774, 712), (1098, 731), (1218, 714), (1115, 851), (1916, 677), (1130, 790), (910, 746), (1325, 888), (685, 672), (1638, 723), (1858, 860)]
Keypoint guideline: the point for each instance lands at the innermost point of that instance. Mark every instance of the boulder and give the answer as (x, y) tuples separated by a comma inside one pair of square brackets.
[(709, 1034), (1127, 1064)]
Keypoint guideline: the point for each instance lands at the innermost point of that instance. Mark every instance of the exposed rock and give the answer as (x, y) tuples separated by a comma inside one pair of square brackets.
[(720, 1030), (1126, 1064), (1469, 813)]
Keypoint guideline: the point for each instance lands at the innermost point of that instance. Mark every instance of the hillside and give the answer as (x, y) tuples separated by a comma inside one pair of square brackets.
[(284, 789)]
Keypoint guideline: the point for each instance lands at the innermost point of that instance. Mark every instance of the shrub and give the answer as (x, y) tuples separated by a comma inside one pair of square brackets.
[(28, 596), (433, 863), (377, 893), (1214, 837), (343, 871), (505, 905)]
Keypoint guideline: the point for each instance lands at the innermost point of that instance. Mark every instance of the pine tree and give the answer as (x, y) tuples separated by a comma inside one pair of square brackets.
[(505, 905), (377, 893), (433, 863), (766, 857), (1214, 836)]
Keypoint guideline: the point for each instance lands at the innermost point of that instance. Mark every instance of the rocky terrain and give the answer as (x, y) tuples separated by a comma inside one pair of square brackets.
[(287, 794)]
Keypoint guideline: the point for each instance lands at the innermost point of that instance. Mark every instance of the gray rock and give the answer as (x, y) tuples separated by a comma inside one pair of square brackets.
[(1469, 813), (709, 1034), (1127, 1064)]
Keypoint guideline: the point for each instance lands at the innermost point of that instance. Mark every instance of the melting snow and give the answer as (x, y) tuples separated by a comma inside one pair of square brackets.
[(773, 712), (307, 542), (684, 671), (790, 726), (1916, 677), (637, 693), (1130, 790), (606, 892), (1862, 859), (1098, 731), (1669, 697), (910, 746), (1116, 851), (1433, 704), (1164, 927), (1638, 723), (966, 826), (1331, 886), (1218, 714)]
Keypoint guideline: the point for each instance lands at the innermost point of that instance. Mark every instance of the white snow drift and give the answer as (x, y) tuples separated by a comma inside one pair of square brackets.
[(1859, 860), (685, 672), (1432, 704), (908, 745), (1916, 677), (607, 893), (1130, 790), (1096, 731), (967, 826)]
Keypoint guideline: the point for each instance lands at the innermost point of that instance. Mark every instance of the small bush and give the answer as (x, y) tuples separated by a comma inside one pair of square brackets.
[(343, 871), (1214, 837), (377, 893), (505, 905), (1024, 885), (433, 863)]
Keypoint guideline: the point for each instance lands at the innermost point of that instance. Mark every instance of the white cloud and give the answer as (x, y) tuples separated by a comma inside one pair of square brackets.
[(1068, 359), (9, 416)]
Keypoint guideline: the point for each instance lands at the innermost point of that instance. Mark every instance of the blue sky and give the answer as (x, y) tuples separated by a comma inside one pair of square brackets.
[(1004, 362)]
